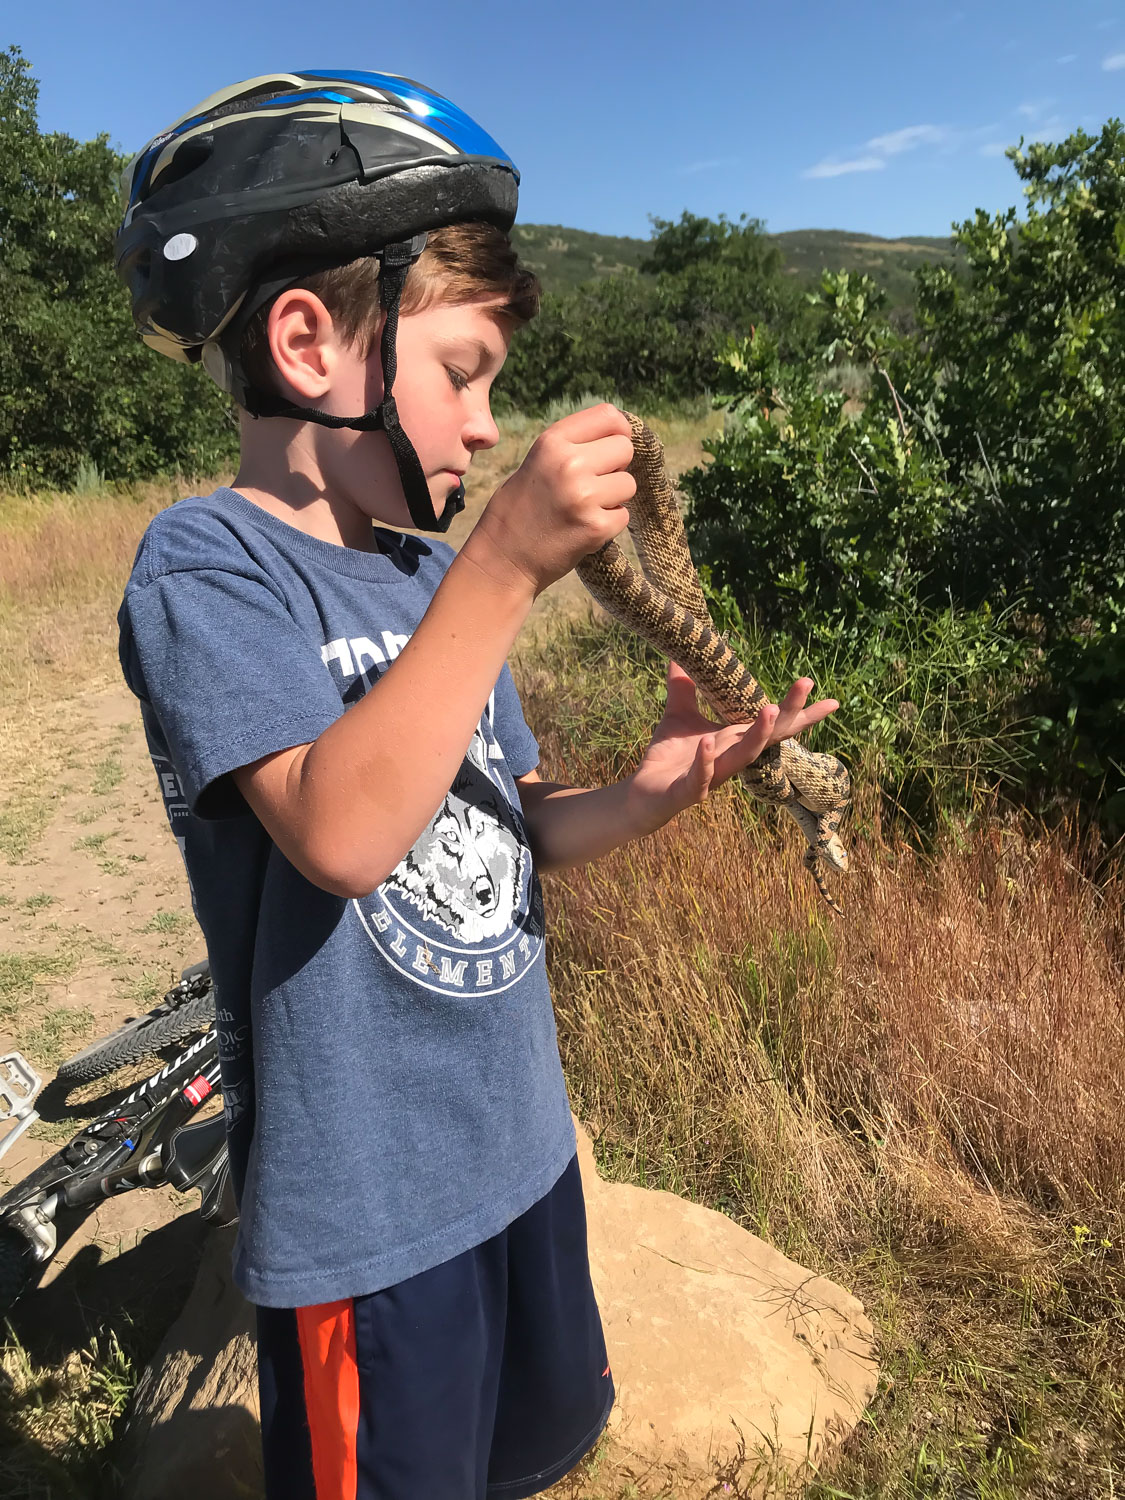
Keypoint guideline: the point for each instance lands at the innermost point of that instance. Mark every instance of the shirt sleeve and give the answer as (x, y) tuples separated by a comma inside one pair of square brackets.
[(228, 673), (520, 747)]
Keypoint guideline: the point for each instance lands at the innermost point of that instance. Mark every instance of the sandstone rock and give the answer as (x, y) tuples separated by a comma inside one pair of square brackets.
[(731, 1362)]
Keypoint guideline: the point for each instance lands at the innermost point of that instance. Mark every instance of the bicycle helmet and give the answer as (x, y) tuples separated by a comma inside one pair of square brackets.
[(281, 175)]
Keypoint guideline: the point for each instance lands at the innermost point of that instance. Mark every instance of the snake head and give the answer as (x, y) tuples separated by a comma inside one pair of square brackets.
[(833, 853)]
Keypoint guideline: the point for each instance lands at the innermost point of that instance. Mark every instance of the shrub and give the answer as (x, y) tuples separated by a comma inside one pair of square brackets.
[(983, 470), (76, 384), (654, 335)]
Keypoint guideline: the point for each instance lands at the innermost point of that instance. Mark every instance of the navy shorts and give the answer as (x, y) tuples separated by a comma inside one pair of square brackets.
[(485, 1376)]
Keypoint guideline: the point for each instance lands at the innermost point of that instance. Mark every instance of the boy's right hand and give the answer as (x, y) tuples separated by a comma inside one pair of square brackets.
[(566, 499)]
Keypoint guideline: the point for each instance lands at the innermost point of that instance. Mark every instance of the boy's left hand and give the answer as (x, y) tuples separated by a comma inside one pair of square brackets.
[(690, 755)]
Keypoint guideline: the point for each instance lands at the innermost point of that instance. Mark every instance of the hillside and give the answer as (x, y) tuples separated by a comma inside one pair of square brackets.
[(565, 257)]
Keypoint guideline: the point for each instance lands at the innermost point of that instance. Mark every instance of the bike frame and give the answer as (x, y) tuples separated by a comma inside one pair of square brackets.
[(122, 1149)]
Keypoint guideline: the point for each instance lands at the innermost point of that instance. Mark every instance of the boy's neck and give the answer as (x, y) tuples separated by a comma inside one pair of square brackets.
[(286, 479)]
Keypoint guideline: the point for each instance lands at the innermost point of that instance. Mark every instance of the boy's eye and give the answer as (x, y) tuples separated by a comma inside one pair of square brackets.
[(456, 379)]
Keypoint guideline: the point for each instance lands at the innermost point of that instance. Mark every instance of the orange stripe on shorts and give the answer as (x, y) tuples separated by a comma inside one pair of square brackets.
[(327, 1338)]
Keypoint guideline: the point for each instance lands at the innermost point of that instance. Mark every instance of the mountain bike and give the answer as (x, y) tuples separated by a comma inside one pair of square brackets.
[(149, 1138)]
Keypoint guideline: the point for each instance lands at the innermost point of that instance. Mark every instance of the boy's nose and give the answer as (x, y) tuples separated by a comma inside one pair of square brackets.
[(481, 431)]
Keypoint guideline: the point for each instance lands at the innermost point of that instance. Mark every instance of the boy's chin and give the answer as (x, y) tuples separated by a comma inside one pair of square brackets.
[(443, 490)]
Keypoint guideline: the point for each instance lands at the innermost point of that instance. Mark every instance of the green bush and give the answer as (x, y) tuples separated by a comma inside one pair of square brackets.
[(653, 335), (76, 384), (1022, 368), (983, 470)]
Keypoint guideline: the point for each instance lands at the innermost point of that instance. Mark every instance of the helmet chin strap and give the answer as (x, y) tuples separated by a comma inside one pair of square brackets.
[(395, 262)]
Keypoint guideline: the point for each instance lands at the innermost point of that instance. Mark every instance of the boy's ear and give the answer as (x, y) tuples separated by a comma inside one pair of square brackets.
[(303, 342)]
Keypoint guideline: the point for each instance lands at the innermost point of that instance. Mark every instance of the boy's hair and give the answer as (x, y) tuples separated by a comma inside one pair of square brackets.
[(460, 263)]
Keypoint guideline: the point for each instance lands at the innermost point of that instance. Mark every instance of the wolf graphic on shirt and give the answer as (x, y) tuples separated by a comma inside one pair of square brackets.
[(465, 871), (462, 912)]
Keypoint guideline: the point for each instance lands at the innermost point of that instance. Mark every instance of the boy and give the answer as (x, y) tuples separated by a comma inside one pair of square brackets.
[(349, 776)]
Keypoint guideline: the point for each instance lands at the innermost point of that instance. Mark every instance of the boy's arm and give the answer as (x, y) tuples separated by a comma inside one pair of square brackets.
[(688, 756), (347, 807)]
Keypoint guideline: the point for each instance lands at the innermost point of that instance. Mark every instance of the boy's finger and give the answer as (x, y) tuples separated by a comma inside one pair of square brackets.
[(797, 696), (807, 717), (608, 453), (681, 691), (595, 422), (750, 743), (703, 771)]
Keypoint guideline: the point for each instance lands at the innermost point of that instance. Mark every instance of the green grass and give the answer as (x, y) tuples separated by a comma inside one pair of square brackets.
[(107, 776), (168, 921), (22, 821), (54, 1036), (92, 843), (21, 972), (57, 1421), (143, 990)]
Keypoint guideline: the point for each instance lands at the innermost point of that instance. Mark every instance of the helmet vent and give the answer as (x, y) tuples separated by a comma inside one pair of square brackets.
[(192, 155)]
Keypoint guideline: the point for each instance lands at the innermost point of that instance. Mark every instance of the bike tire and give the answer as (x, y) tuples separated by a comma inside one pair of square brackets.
[(140, 1038), (19, 1270)]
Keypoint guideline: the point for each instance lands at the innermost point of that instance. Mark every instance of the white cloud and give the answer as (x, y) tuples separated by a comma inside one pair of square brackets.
[(1067, 57), (943, 139), (1033, 109), (908, 138), (880, 148), (1113, 63), (839, 168)]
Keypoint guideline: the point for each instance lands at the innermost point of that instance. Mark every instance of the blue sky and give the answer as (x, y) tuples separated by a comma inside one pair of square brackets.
[(889, 118)]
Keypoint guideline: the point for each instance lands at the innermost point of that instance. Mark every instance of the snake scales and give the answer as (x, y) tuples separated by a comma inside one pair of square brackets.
[(666, 606)]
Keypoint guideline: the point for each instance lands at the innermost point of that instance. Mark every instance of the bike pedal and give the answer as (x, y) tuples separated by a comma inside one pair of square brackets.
[(19, 1088)]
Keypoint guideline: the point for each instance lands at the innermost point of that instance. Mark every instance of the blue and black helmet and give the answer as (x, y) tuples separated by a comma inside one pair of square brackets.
[(281, 175)]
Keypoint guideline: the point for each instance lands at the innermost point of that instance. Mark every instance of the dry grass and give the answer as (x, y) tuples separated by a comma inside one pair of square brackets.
[(924, 1100), (63, 563)]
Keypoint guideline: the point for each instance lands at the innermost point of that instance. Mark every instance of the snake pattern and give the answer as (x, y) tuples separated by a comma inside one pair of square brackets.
[(666, 606)]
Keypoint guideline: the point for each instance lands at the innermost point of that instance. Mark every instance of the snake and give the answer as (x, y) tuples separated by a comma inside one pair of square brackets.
[(665, 605)]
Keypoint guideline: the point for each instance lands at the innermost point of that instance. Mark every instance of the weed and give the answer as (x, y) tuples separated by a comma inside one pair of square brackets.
[(21, 972), (923, 1100), (49, 1041), (167, 921), (22, 821), (107, 776)]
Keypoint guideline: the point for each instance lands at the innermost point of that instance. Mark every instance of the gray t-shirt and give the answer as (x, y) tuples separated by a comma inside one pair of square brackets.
[(390, 1069)]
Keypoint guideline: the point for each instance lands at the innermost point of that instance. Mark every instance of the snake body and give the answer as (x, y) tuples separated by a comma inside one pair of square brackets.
[(667, 607)]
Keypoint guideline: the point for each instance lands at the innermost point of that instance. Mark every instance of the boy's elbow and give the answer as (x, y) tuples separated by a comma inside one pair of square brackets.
[(348, 873)]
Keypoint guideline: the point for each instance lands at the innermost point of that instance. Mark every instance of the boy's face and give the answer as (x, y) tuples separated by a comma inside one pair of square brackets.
[(448, 356)]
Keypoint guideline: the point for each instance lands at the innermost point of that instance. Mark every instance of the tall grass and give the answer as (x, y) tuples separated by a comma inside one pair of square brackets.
[(968, 1011), (924, 1099)]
